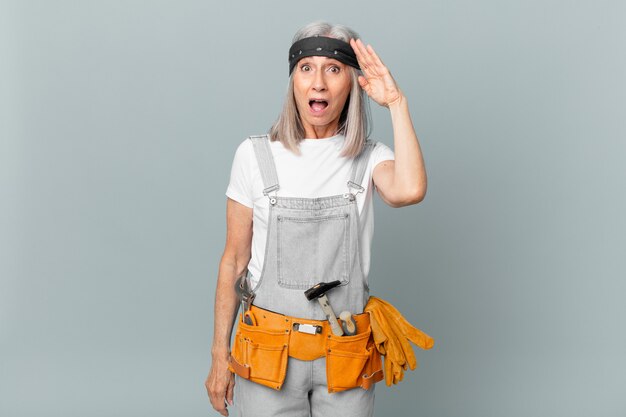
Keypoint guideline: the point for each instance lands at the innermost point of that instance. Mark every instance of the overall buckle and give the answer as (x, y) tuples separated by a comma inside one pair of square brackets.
[(352, 195), (266, 191)]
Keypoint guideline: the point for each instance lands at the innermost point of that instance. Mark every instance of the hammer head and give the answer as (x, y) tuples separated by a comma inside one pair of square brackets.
[(320, 289)]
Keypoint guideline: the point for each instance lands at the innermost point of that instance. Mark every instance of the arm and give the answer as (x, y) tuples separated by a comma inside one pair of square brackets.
[(403, 181), (220, 382)]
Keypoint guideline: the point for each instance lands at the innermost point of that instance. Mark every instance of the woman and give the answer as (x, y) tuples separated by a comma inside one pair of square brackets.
[(293, 222)]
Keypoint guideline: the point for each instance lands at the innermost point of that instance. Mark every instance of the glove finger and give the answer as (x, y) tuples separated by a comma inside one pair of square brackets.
[(398, 374), (405, 346), (417, 336), (377, 332), (414, 334), (388, 371), (390, 340), (393, 343)]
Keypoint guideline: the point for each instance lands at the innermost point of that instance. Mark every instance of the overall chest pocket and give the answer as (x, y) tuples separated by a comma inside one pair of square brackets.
[(313, 249)]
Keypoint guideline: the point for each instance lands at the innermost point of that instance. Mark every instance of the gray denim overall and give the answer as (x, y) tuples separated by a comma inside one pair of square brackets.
[(309, 240)]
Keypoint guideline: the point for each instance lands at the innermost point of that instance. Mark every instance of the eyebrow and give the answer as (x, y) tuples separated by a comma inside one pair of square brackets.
[(330, 61)]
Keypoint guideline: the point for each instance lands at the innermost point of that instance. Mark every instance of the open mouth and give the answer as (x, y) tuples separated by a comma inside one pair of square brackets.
[(318, 105)]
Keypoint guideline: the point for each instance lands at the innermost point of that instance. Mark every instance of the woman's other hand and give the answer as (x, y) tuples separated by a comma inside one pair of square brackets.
[(234, 263), (219, 384), (377, 82)]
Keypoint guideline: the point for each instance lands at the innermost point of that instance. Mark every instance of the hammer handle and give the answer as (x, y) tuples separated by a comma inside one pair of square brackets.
[(328, 310)]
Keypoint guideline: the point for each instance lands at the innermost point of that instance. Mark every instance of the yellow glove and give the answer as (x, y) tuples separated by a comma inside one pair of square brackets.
[(416, 336), (391, 346), (391, 333)]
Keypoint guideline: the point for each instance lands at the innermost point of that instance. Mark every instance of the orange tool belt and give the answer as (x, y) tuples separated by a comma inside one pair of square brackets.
[(260, 352)]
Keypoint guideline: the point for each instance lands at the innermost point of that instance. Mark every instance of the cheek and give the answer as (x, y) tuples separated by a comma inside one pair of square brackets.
[(345, 92), (298, 93), (344, 86), (301, 88)]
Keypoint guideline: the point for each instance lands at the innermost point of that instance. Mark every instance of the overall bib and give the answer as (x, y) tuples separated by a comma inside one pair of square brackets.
[(309, 240)]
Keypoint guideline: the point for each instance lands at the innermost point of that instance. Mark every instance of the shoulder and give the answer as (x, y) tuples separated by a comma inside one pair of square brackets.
[(246, 146), (377, 144), (258, 138), (244, 157), (249, 143), (380, 152)]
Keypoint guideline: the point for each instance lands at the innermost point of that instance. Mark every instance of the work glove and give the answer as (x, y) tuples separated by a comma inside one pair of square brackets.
[(391, 333)]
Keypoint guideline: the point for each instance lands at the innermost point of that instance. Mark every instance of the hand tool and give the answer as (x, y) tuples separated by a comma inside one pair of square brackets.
[(239, 292), (319, 291), (242, 288), (248, 318), (347, 323)]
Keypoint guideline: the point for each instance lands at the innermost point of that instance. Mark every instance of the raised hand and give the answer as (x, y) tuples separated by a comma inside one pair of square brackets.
[(377, 82)]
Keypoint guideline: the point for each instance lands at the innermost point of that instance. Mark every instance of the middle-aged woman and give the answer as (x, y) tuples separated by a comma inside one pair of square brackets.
[(300, 219)]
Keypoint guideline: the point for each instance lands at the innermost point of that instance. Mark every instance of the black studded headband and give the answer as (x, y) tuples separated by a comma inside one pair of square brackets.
[(322, 46)]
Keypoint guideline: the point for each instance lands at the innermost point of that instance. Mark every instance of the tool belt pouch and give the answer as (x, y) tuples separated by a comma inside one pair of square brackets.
[(260, 354), (352, 361)]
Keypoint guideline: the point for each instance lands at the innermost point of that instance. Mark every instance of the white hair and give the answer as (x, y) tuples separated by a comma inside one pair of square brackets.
[(354, 120)]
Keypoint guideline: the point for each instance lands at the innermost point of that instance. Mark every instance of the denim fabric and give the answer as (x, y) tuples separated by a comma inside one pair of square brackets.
[(309, 240), (304, 394)]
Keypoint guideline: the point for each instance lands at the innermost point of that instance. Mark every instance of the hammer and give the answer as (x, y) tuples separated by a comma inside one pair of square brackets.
[(319, 291)]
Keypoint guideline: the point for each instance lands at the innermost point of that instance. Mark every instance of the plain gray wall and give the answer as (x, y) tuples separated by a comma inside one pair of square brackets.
[(119, 122)]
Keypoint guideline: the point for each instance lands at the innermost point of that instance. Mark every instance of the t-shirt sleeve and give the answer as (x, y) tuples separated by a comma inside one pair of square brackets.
[(240, 185), (381, 153)]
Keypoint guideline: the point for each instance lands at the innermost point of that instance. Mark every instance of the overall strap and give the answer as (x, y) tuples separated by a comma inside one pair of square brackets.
[(359, 164), (265, 160)]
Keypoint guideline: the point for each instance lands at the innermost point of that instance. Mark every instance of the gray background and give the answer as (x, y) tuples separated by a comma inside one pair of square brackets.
[(119, 122)]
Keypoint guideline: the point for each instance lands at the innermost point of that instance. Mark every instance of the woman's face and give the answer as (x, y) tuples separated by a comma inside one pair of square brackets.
[(324, 79)]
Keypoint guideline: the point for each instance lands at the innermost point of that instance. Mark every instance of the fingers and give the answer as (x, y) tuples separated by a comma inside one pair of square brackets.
[(361, 54), (375, 57), (217, 401), (216, 397), (230, 391), (217, 394), (367, 57), (362, 81)]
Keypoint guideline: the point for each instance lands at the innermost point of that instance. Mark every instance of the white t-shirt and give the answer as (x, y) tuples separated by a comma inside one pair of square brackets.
[(318, 172)]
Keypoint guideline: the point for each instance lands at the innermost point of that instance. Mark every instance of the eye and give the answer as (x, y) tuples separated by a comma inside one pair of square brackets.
[(303, 66), (336, 68)]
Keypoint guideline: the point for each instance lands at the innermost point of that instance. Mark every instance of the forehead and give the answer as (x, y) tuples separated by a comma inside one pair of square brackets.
[(321, 59)]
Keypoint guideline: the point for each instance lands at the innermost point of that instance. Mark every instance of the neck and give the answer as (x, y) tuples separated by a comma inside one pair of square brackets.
[(321, 132)]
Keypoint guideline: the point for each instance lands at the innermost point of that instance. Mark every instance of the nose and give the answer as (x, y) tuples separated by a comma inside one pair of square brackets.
[(319, 83)]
